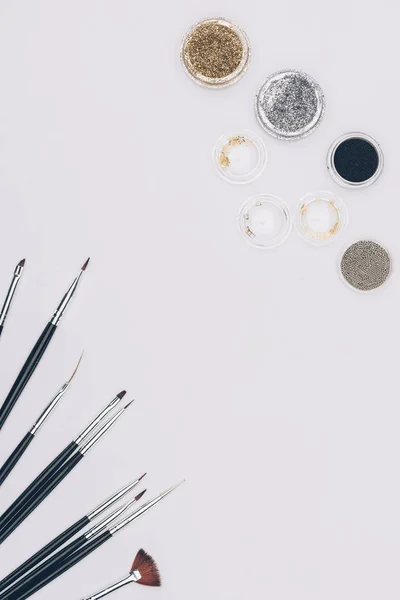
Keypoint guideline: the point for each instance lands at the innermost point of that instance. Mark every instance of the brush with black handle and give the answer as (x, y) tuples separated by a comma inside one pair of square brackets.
[(66, 535), (53, 481), (68, 557), (32, 489), (38, 350), (11, 291), (23, 445)]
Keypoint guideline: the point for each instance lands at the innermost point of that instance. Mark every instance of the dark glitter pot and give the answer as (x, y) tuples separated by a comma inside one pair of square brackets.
[(355, 160)]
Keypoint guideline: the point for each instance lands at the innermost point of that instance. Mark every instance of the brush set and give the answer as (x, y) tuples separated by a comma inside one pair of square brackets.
[(83, 537)]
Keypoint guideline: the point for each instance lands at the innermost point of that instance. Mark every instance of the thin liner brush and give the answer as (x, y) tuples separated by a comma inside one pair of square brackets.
[(38, 350), (61, 458), (143, 571), (52, 482), (17, 453), (11, 291), (62, 561), (66, 535)]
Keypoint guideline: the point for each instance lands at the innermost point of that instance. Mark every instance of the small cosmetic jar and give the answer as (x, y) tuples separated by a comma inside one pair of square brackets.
[(355, 160), (320, 218), (240, 157), (265, 221)]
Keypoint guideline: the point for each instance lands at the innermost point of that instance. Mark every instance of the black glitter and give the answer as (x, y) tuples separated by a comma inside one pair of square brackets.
[(356, 160)]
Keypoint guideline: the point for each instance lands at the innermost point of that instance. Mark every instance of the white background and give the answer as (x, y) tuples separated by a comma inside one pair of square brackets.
[(258, 376)]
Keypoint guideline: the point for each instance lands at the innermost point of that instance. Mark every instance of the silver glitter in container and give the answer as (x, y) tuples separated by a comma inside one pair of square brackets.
[(290, 105), (365, 265)]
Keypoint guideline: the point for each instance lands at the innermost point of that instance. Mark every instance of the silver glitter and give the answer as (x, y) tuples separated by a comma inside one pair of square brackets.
[(290, 105), (365, 265)]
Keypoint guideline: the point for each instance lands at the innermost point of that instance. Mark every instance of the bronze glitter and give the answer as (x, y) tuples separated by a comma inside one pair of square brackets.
[(213, 50)]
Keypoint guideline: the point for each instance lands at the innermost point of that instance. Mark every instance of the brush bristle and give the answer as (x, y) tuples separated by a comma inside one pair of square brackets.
[(147, 568), (21, 263), (83, 267), (140, 495), (121, 394), (140, 478)]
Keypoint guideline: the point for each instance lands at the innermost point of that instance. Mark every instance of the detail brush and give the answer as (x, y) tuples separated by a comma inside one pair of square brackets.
[(51, 469), (144, 571), (35, 560), (11, 291), (38, 350), (52, 482), (17, 453), (63, 560)]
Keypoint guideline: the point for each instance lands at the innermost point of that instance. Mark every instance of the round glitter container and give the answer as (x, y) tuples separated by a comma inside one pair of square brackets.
[(215, 53), (320, 218), (265, 221), (290, 105), (365, 265), (355, 160), (240, 157)]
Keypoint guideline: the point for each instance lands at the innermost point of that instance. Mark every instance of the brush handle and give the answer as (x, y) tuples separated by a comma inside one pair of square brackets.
[(111, 588), (50, 484), (37, 574), (15, 456), (36, 484), (26, 372), (44, 553), (1, 329), (55, 569)]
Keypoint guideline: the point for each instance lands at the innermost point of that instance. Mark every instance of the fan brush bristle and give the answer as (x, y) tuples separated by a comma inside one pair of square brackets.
[(147, 568)]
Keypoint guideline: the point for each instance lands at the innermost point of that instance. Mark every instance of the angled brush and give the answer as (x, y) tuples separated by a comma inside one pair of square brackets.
[(21, 448)]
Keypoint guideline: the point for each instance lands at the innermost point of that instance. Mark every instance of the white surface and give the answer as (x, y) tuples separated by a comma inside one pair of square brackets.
[(258, 376)]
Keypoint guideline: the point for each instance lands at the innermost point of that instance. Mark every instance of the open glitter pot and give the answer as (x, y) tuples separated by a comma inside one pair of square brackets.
[(240, 157), (265, 221), (290, 105), (215, 53), (365, 266), (355, 160), (320, 218)]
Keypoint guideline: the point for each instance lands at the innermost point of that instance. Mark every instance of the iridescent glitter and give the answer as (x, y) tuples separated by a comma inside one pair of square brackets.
[(290, 104), (215, 53), (365, 265)]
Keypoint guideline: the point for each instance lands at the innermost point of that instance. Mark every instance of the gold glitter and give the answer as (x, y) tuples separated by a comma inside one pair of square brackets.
[(234, 141), (323, 235), (213, 50)]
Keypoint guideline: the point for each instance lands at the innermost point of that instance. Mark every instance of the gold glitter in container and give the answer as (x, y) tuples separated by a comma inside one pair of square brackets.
[(215, 53), (240, 157), (320, 217)]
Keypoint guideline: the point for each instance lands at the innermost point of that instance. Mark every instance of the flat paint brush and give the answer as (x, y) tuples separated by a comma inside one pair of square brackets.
[(17, 453), (52, 482), (11, 291), (52, 468), (62, 561), (38, 350), (68, 534), (143, 571)]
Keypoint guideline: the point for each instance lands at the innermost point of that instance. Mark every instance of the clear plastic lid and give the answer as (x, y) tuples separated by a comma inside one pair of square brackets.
[(240, 157), (265, 221), (320, 217)]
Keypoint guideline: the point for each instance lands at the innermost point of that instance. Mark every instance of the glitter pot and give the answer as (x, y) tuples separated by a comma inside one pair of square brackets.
[(215, 53), (365, 265), (265, 221), (290, 105), (240, 157), (320, 218), (355, 160)]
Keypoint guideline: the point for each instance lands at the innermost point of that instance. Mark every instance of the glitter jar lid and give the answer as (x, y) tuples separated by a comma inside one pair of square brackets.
[(320, 218), (365, 266), (355, 160), (290, 105), (265, 221), (215, 53), (240, 157)]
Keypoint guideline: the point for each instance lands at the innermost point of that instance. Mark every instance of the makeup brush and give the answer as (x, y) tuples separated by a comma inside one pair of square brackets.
[(17, 453), (63, 560), (51, 468), (11, 291), (144, 571), (66, 535), (38, 350), (52, 482)]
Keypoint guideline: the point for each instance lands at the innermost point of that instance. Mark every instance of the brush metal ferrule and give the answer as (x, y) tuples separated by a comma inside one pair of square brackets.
[(49, 409), (112, 500), (114, 402), (10, 293), (86, 446), (111, 517), (132, 578), (66, 300)]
